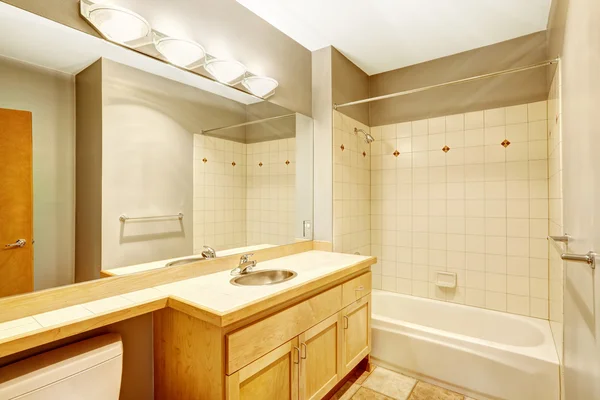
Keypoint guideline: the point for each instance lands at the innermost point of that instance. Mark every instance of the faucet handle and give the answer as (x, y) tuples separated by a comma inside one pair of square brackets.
[(245, 258), (209, 252)]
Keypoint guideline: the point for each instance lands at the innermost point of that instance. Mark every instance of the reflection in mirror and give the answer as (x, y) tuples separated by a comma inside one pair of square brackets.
[(165, 167)]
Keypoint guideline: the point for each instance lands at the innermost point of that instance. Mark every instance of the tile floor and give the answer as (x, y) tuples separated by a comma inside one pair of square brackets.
[(383, 384)]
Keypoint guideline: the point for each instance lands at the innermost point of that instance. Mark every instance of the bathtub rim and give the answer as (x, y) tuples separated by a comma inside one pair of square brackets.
[(544, 352)]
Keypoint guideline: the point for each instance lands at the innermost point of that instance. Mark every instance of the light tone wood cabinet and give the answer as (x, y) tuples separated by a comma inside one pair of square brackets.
[(357, 333), (299, 353), (320, 358), (273, 376)]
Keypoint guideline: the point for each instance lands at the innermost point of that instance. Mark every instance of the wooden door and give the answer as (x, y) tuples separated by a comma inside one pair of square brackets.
[(356, 343), (320, 358), (273, 376), (16, 202)]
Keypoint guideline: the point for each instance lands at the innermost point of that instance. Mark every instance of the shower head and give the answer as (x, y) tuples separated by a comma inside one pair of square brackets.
[(368, 138)]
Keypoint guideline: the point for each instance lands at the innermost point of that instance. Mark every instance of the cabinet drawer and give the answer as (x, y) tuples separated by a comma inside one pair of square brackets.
[(356, 288), (252, 342)]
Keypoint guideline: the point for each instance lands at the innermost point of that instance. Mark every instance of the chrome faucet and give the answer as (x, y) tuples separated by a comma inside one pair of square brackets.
[(245, 266), (209, 252)]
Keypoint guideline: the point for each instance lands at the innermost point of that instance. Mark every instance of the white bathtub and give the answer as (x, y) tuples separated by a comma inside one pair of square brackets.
[(482, 353)]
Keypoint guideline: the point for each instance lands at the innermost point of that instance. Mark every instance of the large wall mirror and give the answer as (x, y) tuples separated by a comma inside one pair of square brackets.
[(112, 160)]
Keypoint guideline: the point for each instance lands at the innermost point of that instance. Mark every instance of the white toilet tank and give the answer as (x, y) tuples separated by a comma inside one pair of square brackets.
[(90, 370)]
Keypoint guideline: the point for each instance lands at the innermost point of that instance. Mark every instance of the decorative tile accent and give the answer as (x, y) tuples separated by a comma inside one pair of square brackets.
[(342, 147), (446, 149), (260, 164), (287, 162), (396, 153), (233, 163), (505, 143), (364, 154), (204, 160)]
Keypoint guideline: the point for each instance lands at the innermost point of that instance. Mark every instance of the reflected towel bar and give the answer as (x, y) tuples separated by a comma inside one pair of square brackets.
[(564, 238), (589, 258), (124, 217)]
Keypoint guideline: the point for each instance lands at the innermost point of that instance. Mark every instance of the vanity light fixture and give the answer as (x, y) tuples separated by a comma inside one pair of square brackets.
[(225, 71), (181, 52), (118, 24), (261, 86), (129, 29)]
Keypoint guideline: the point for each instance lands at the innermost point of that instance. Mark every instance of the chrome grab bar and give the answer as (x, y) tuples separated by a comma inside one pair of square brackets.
[(589, 258), (124, 217), (564, 238)]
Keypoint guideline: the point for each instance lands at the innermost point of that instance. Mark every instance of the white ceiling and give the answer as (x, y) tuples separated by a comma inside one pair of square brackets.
[(382, 35)]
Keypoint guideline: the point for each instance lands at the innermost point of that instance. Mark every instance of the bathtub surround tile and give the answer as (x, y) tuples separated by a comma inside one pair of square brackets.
[(390, 383), (480, 210), (426, 391)]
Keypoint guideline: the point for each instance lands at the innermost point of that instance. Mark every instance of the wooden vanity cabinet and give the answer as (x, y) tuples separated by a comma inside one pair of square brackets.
[(356, 341), (320, 358), (273, 376), (298, 353)]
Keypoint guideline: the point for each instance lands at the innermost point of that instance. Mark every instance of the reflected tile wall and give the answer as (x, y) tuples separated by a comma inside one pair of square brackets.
[(466, 194), (238, 202), (271, 192), (219, 193)]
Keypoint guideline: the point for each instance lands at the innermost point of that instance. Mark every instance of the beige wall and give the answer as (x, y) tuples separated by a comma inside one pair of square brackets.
[(349, 83), (225, 28), (524, 87), (580, 57), (51, 99), (323, 133), (88, 229), (147, 166), (143, 153)]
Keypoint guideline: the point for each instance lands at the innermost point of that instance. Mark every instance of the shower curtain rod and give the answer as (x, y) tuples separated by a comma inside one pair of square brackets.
[(465, 80), (258, 121)]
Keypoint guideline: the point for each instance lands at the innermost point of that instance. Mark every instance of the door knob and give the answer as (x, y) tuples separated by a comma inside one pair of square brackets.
[(18, 243)]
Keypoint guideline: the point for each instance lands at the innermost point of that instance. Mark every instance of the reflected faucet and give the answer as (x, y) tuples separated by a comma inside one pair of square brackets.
[(209, 252), (245, 266)]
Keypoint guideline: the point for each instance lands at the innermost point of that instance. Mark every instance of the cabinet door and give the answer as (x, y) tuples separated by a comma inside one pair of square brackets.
[(320, 358), (356, 343), (273, 376)]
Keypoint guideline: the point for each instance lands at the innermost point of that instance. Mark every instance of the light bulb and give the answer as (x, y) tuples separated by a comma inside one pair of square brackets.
[(118, 24), (225, 71), (180, 52)]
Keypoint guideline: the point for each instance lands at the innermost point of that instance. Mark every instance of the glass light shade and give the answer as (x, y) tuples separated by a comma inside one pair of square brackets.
[(180, 52), (118, 24), (260, 85), (225, 71)]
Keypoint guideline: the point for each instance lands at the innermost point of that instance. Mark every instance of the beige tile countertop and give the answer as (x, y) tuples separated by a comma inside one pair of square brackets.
[(215, 292), (209, 297)]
